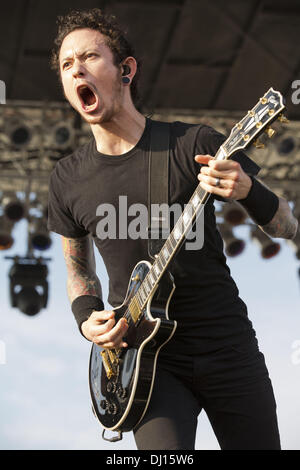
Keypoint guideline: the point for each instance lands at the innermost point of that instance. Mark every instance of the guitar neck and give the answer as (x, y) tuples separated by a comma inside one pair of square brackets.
[(173, 243), (267, 109)]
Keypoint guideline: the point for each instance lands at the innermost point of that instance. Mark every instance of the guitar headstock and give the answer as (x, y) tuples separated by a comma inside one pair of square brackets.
[(257, 120)]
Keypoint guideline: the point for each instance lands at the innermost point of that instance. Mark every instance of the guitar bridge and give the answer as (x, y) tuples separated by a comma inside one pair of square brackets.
[(107, 366), (110, 361)]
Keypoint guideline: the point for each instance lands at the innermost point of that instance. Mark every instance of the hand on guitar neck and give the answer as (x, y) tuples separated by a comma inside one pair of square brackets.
[(226, 178)]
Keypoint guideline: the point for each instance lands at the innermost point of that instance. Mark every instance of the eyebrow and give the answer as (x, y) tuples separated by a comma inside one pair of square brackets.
[(71, 57), (89, 49)]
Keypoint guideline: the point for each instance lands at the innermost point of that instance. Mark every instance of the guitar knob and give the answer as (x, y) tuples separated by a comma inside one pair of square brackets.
[(112, 409), (111, 387), (103, 404), (136, 278), (122, 393)]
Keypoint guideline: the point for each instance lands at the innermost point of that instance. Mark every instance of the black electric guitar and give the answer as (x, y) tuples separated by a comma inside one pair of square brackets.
[(121, 380)]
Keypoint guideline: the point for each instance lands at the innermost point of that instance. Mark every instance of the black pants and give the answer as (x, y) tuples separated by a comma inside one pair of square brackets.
[(232, 385)]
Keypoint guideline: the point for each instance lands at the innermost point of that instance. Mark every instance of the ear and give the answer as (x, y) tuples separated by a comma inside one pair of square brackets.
[(131, 67)]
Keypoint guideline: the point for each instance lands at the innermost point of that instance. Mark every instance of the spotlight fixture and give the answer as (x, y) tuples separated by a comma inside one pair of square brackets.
[(268, 247), (233, 246), (13, 208), (6, 239), (233, 213), (40, 238), (63, 135), (28, 285), (20, 135), (286, 145)]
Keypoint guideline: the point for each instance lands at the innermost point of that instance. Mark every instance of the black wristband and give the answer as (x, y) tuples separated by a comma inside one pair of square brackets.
[(83, 306), (261, 203)]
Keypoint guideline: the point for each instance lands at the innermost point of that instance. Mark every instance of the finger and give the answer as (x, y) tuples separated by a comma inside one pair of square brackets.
[(203, 159), (114, 336), (212, 181), (221, 165), (97, 331), (224, 175), (224, 192), (116, 343), (103, 315)]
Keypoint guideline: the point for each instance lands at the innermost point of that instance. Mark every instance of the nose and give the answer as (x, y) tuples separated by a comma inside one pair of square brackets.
[(78, 69)]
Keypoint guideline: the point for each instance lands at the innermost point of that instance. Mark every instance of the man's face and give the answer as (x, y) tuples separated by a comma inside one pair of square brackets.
[(91, 82)]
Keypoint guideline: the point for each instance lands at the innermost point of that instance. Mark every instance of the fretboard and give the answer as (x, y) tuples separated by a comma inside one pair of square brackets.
[(173, 243), (253, 124)]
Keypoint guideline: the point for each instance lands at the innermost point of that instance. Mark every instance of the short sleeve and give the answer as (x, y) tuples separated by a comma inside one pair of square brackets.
[(60, 219), (209, 141)]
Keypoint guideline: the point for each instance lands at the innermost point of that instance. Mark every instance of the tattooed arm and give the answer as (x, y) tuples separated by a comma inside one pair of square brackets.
[(81, 267), (101, 327), (283, 224)]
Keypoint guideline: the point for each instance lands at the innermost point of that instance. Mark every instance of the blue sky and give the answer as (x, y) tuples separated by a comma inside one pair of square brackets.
[(44, 396)]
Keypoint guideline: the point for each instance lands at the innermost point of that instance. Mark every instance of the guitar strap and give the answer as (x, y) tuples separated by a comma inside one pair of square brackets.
[(158, 193), (158, 186)]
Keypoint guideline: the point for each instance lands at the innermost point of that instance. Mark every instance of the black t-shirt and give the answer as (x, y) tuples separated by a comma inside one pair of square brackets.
[(206, 302)]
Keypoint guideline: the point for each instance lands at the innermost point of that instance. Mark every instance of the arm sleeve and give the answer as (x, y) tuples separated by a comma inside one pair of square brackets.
[(60, 219)]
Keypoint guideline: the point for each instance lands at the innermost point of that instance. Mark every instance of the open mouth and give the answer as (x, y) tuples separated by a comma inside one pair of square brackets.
[(88, 99)]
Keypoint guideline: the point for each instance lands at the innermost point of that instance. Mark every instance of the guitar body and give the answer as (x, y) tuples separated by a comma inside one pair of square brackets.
[(121, 384)]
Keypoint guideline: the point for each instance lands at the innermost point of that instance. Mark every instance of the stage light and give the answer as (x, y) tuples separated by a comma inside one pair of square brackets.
[(268, 247), (233, 213), (13, 208), (28, 286), (6, 239), (63, 135), (40, 238), (233, 246), (286, 145), (20, 135)]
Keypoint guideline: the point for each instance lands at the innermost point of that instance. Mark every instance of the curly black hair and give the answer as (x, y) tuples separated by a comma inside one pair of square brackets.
[(107, 25)]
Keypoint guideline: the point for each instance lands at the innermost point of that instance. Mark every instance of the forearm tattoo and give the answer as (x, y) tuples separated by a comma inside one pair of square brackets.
[(283, 224), (81, 268)]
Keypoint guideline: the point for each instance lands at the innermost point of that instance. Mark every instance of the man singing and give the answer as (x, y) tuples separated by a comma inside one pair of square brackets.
[(213, 361)]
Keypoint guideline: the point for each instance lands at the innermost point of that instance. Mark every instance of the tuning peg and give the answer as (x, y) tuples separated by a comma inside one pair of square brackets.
[(283, 119), (258, 144), (270, 132)]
